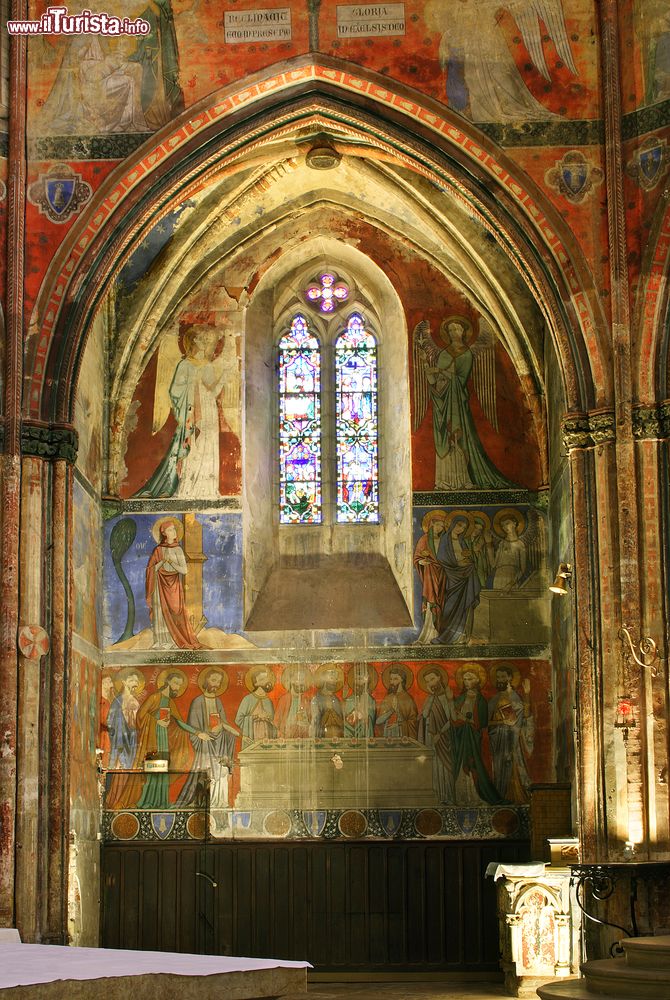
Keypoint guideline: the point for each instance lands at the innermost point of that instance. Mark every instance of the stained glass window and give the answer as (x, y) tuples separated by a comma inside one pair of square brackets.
[(328, 292), (356, 424), (300, 425)]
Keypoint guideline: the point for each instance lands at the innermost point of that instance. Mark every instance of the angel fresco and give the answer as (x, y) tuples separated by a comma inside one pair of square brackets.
[(196, 375), (441, 378), (483, 79)]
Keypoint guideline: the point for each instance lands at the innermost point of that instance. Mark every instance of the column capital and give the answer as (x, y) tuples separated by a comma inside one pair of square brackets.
[(587, 430), (49, 441)]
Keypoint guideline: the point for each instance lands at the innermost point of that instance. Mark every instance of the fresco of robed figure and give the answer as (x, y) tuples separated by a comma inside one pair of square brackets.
[(165, 574), (442, 375), (190, 468), (483, 79)]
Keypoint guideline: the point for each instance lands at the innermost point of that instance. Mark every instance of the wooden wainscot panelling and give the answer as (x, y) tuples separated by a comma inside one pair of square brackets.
[(344, 907)]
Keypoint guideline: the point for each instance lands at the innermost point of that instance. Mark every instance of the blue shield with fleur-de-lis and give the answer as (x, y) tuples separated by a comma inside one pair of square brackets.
[(390, 820), (467, 820), (651, 160), (162, 824), (60, 192), (575, 174), (315, 821)]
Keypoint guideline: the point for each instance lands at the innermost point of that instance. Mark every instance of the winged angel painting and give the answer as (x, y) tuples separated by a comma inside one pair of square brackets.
[(441, 377), (482, 75)]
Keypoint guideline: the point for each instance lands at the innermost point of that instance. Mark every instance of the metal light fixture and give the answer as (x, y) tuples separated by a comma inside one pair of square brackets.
[(561, 580)]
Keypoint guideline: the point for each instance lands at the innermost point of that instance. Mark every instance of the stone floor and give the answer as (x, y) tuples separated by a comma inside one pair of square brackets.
[(404, 991)]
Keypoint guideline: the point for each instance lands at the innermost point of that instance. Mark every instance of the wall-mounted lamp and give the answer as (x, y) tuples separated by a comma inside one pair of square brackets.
[(563, 576)]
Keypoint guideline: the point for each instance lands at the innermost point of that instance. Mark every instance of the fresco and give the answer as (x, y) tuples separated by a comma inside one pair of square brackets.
[(483, 78), (84, 830), (519, 61), (88, 411), (471, 426), (173, 582), (249, 743), (87, 566), (653, 28), (106, 84), (183, 440), (480, 576)]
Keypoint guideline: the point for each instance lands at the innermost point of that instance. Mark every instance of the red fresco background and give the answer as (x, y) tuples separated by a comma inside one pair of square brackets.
[(537, 671)]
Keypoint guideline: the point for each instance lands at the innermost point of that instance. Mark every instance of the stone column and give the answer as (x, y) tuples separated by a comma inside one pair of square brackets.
[(42, 768)]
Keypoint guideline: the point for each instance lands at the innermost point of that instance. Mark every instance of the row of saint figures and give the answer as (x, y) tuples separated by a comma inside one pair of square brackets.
[(479, 746)]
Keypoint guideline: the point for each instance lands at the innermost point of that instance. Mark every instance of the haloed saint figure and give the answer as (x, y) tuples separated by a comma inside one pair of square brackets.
[(166, 572), (190, 468), (442, 376)]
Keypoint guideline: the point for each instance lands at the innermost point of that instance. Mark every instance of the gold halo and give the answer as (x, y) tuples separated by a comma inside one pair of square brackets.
[(292, 670), (470, 334), (479, 515), (126, 672), (257, 670), (398, 668), (155, 528), (160, 680), (433, 515), (516, 674), (372, 675), (211, 669), (432, 668), (509, 514), (452, 515), (471, 668), (318, 676)]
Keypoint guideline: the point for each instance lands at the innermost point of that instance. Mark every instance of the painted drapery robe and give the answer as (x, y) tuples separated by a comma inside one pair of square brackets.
[(470, 719), (435, 731), (433, 583), (166, 570), (161, 731), (461, 461), (511, 731), (207, 715), (165, 574), (461, 588), (293, 715), (398, 715), (190, 469)]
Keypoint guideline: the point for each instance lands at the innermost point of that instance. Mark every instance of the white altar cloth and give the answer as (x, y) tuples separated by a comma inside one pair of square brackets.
[(27, 964)]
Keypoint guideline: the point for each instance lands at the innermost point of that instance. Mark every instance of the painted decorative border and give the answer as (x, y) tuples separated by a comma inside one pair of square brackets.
[(508, 822), (324, 654)]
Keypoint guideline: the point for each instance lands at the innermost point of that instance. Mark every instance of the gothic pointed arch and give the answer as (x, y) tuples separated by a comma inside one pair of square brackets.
[(232, 129)]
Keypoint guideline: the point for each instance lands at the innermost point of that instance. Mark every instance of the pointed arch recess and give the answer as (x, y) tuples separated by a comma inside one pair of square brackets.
[(418, 132)]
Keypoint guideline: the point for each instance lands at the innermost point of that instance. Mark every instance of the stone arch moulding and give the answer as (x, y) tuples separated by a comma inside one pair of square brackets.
[(213, 135)]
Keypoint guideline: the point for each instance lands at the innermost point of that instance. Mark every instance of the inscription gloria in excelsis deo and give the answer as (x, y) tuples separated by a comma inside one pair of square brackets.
[(359, 20)]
